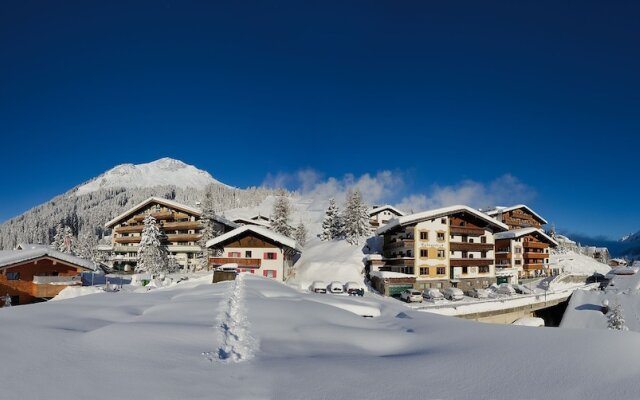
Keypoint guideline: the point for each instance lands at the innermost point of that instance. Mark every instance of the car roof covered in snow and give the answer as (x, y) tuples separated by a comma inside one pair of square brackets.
[(439, 212), (9, 258), (258, 230)]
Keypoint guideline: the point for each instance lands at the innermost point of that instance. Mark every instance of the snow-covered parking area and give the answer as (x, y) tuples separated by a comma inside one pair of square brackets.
[(175, 343)]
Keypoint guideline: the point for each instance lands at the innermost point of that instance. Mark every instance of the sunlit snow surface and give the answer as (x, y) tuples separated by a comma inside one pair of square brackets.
[(165, 344)]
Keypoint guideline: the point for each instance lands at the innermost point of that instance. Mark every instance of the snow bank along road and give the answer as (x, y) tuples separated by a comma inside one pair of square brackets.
[(150, 345)]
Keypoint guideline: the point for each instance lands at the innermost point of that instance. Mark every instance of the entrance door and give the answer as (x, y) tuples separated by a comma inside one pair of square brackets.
[(502, 279)]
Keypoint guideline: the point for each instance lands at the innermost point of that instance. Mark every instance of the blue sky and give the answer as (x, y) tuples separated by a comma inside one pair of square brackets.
[(440, 93)]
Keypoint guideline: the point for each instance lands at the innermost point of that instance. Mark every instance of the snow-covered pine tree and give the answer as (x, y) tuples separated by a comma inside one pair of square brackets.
[(280, 214), (68, 241), (332, 227), (58, 238), (208, 232), (85, 247), (300, 234), (615, 319), (356, 218), (152, 254)]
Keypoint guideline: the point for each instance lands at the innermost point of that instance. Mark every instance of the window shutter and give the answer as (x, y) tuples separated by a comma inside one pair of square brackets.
[(264, 256), (274, 274), (264, 273), (275, 256)]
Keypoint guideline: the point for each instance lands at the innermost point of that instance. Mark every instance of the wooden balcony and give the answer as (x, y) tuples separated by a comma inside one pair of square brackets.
[(398, 244), (185, 225), (454, 246), (129, 229), (242, 262), (536, 256), (127, 239), (407, 262), (533, 266), (470, 262), (535, 245), (466, 230), (183, 237), (503, 256)]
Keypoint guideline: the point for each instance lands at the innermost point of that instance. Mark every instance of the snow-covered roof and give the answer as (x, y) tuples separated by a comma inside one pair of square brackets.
[(618, 260), (11, 257), (378, 209), (151, 200), (31, 246), (500, 210), (244, 221), (440, 212), (516, 233), (259, 230), (168, 203), (390, 274)]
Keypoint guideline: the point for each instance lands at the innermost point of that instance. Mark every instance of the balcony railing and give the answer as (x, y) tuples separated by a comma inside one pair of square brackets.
[(535, 245), (242, 262), (466, 246), (536, 255), (56, 280), (470, 262), (466, 230)]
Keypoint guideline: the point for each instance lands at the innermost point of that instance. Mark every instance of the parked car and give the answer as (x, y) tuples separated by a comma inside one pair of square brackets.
[(478, 293), (453, 293), (433, 294), (353, 287), (505, 288), (319, 287), (529, 321), (411, 296), (336, 287)]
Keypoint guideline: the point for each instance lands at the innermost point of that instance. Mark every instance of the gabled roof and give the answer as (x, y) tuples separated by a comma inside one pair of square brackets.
[(151, 200), (386, 207), (258, 230), (247, 221), (10, 258), (500, 210), (516, 233), (440, 212)]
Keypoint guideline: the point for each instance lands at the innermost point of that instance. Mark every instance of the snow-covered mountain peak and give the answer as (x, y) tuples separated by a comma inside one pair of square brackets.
[(162, 172)]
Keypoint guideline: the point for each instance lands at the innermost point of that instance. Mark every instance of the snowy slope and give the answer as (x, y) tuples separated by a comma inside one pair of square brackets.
[(328, 262), (575, 263), (167, 343), (162, 172)]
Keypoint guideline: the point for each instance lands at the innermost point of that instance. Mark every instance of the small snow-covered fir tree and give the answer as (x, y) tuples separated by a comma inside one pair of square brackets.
[(208, 232), (300, 234), (85, 247), (615, 319), (152, 254), (332, 227), (356, 218), (68, 241), (280, 215), (58, 238), (7, 300)]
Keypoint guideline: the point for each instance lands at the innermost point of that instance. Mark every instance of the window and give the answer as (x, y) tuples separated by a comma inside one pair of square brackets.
[(424, 270), (233, 254), (269, 273), (465, 270), (483, 239), (424, 235), (484, 254), (518, 250), (471, 255), (13, 276), (483, 269), (443, 220), (518, 262), (247, 254), (439, 285), (441, 253), (440, 270), (270, 256), (440, 236), (424, 253)]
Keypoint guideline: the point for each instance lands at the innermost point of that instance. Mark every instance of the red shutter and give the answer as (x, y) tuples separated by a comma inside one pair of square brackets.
[(275, 256), (253, 271), (264, 273), (229, 254), (275, 274), (264, 256)]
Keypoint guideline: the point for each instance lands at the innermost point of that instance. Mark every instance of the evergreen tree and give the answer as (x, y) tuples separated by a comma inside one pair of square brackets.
[(280, 215), (332, 227), (152, 254), (300, 234), (7, 300), (85, 247), (208, 231), (615, 319), (356, 218), (68, 241), (58, 238)]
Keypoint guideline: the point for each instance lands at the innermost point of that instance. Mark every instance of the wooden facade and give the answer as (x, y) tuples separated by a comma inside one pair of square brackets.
[(22, 280)]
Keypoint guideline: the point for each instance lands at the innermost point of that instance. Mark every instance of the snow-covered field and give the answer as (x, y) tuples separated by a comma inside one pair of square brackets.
[(179, 343)]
